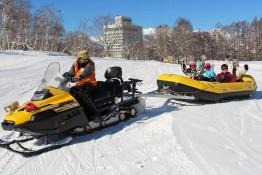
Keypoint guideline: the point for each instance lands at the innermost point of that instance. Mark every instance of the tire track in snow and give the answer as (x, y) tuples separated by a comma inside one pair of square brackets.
[(22, 165), (68, 165), (6, 158), (93, 157), (191, 151), (77, 159), (51, 164), (56, 162), (245, 116)]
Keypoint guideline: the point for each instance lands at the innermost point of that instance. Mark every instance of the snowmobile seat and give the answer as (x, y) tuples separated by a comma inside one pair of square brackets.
[(114, 73), (106, 91), (114, 80)]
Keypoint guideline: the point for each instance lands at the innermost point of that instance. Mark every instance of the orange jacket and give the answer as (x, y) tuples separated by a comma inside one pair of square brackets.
[(90, 79)]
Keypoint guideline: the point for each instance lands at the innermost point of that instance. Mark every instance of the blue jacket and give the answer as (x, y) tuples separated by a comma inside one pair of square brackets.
[(209, 73)]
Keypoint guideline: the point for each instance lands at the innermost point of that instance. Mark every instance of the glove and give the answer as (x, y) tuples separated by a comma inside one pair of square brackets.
[(66, 75), (74, 79)]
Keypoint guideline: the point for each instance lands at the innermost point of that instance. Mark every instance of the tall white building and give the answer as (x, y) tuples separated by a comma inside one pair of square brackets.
[(121, 35)]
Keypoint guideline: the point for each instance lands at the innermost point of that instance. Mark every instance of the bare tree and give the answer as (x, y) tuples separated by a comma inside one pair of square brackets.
[(21, 25), (47, 28), (79, 39), (256, 27), (201, 44), (161, 41), (181, 38), (6, 12), (149, 48)]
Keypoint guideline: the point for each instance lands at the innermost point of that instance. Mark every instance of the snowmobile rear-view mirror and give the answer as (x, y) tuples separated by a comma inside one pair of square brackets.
[(60, 78)]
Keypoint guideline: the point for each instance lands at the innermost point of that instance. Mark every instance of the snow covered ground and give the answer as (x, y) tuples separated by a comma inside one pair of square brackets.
[(171, 137)]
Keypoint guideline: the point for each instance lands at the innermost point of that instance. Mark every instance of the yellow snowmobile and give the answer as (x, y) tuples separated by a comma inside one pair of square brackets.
[(54, 112)]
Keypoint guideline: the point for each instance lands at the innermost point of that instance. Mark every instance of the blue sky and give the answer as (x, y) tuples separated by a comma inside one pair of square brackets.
[(203, 14)]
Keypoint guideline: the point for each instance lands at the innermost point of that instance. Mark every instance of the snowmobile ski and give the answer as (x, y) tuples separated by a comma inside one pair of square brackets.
[(19, 146)]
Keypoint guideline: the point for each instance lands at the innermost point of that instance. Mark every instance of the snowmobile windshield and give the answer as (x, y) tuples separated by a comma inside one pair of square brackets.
[(52, 78)]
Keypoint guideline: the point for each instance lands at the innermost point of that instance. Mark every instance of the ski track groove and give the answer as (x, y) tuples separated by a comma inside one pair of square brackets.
[(65, 155), (28, 89), (50, 164), (22, 165), (116, 162), (258, 106), (76, 157), (251, 155), (111, 158), (193, 151), (93, 157), (7, 158), (240, 147)]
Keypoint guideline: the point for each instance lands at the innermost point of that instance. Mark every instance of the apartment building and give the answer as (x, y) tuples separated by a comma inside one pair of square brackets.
[(121, 36)]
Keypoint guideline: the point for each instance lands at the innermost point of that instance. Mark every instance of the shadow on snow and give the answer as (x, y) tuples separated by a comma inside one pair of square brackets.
[(151, 112)]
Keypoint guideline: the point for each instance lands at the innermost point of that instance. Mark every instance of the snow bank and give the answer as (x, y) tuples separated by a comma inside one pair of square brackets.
[(32, 53)]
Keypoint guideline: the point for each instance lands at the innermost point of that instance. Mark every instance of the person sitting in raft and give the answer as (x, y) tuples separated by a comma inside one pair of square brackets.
[(209, 73), (235, 65), (241, 71), (184, 68), (191, 71), (187, 70), (224, 76), (201, 65)]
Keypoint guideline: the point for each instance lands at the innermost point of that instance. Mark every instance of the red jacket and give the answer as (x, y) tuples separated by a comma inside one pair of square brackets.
[(224, 77)]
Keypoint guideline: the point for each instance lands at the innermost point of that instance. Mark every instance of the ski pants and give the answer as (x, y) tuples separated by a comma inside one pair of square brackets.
[(83, 96)]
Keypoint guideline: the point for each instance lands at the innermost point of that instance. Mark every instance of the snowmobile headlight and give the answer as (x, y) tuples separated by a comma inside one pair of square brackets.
[(12, 107), (29, 107)]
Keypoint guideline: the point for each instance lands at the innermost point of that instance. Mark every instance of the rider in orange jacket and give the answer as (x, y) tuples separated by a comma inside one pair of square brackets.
[(82, 73)]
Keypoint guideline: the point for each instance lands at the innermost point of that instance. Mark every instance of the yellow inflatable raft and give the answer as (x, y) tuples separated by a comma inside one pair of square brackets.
[(205, 90)]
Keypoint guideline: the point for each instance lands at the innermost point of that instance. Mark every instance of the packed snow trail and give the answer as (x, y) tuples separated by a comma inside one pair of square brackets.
[(171, 137)]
